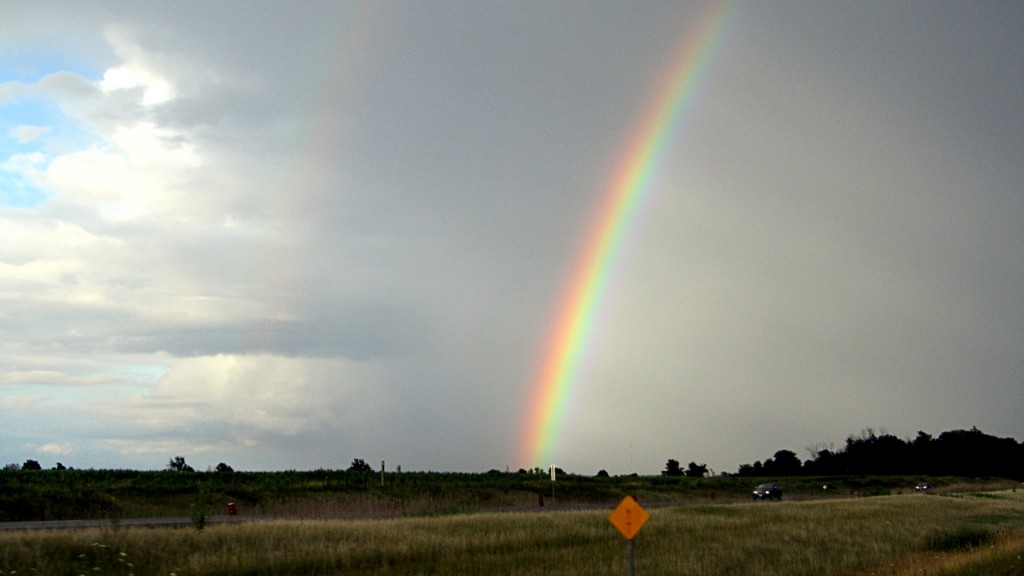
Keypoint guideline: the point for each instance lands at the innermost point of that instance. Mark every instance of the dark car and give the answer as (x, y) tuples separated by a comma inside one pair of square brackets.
[(923, 486), (769, 491)]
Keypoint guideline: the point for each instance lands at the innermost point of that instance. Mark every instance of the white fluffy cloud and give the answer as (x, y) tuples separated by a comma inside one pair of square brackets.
[(139, 174), (250, 396)]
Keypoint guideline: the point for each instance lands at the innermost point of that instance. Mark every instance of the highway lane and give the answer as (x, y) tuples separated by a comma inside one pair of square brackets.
[(107, 523)]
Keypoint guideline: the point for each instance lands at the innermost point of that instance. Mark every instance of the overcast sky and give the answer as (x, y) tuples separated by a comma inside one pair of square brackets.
[(286, 235)]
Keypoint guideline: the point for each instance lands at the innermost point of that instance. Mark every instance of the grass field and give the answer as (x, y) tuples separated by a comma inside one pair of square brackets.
[(973, 533), (327, 494)]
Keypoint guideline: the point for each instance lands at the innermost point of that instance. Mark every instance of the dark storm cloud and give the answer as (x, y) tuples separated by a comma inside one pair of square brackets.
[(304, 220)]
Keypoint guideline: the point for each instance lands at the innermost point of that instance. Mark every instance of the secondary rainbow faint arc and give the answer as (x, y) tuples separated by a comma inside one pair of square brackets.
[(628, 187)]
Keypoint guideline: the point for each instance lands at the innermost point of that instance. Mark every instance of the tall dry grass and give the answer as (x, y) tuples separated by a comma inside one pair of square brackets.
[(795, 538), (1003, 556)]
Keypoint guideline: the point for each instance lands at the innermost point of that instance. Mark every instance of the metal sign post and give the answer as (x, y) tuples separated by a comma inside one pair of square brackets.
[(629, 554)]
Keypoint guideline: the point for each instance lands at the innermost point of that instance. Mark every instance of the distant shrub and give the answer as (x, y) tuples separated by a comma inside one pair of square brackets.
[(198, 513)]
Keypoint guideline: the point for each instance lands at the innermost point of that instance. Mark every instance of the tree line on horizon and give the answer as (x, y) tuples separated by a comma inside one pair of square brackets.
[(970, 453)]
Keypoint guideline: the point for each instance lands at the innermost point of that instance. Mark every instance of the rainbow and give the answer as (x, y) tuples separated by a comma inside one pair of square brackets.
[(628, 188)]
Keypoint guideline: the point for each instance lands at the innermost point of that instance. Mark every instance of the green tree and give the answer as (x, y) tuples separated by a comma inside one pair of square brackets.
[(178, 464), (672, 468), (359, 465), (694, 470), (784, 463)]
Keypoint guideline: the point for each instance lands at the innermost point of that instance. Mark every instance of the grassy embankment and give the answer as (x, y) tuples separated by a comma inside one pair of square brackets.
[(101, 494), (955, 535)]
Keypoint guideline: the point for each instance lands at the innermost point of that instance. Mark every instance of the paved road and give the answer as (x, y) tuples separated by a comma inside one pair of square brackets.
[(102, 523), (186, 521)]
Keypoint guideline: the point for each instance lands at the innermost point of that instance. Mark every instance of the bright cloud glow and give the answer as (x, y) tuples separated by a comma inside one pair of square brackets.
[(155, 90), (136, 72)]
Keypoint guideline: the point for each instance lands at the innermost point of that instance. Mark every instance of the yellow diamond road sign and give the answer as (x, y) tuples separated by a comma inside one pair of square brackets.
[(629, 517)]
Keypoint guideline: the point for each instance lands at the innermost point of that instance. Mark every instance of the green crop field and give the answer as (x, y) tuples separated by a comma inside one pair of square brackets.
[(955, 534)]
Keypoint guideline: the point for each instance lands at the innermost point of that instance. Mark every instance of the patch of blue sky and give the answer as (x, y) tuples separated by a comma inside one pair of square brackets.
[(15, 192), (137, 373), (64, 134), (27, 111), (33, 131), (84, 387), (29, 68)]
